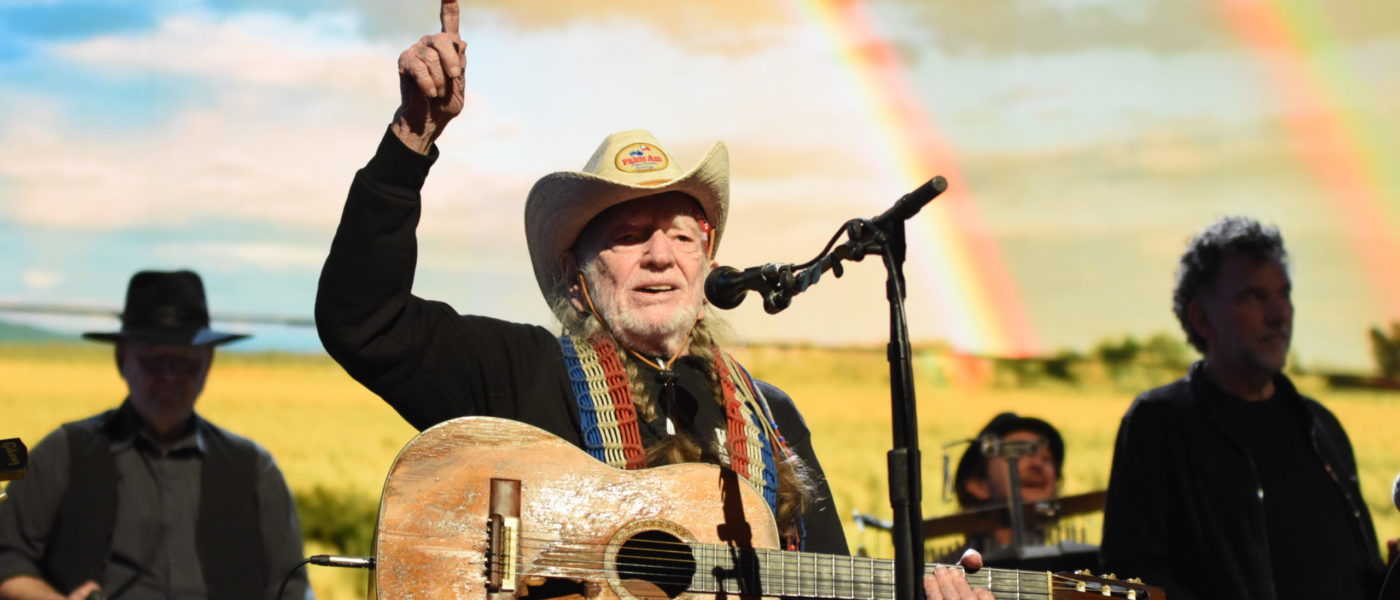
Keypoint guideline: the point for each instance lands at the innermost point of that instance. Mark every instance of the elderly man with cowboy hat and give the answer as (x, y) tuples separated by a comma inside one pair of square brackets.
[(620, 251), (149, 500)]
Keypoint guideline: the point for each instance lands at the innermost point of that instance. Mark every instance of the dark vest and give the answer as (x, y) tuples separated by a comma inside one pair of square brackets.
[(228, 535)]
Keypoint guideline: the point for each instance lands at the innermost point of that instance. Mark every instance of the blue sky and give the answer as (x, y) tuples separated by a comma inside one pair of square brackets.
[(1097, 136)]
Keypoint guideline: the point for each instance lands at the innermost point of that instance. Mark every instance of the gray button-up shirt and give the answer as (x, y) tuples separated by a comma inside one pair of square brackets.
[(154, 555)]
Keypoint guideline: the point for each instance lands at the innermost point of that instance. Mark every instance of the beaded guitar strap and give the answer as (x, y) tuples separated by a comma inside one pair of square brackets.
[(605, 409), (608, 414)]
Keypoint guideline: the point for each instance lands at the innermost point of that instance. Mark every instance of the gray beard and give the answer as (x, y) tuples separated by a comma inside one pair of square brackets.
[(632, 329)]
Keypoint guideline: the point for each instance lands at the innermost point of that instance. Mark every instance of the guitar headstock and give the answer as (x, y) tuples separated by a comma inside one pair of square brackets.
[(1083, 585)]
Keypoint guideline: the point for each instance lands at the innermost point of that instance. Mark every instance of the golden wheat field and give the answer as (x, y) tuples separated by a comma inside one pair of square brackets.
[(329, 434)]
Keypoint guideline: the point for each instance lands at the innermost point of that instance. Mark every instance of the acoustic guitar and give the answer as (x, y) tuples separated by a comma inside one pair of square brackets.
[(490, 509)]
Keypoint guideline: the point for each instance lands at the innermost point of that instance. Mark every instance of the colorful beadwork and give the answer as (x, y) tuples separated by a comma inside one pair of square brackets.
[(609, 416)]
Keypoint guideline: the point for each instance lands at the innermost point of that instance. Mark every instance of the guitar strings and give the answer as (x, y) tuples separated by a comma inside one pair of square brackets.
[(819, 588), (684, 570), (685, 555), (690, 567)]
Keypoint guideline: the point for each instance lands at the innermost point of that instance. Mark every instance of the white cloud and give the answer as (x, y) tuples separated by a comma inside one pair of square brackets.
[(265, 255), (320, 52), (286, 112), (40, 280)]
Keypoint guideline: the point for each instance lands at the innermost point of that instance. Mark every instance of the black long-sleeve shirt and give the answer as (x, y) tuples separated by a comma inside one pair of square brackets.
[(432, 364), (1197, 505)]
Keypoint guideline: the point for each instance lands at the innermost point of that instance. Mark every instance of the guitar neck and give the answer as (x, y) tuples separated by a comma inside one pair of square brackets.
[(722, 569)]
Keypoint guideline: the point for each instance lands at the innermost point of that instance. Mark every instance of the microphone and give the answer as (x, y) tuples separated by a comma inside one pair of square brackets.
[(725, 287), (1395, 492), (910, 204)]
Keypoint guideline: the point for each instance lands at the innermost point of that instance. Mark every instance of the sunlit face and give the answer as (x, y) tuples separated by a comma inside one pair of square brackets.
[(1039, 478), (1246, 317), (164, 379), (645, 264)]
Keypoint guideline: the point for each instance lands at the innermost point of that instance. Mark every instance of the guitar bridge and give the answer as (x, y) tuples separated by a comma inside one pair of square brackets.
[(503, 539)]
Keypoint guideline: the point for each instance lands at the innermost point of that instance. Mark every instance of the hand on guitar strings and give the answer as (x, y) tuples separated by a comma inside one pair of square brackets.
[(950, 583)]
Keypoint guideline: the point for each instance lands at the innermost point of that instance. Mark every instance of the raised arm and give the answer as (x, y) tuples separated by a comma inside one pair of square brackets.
[(366, 314), (421, 356)]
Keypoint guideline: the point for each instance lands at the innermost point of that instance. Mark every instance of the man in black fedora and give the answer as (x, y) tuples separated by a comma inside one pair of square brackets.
[(149, 500)]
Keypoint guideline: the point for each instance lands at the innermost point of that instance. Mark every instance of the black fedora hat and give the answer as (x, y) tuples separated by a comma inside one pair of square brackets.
[(166, 307), (973, 459)]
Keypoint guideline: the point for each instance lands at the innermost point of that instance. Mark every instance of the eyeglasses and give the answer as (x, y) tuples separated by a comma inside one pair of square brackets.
[(993, 446)]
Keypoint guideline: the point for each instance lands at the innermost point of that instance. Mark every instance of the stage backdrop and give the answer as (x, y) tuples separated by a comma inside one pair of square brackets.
[(1085, 140)]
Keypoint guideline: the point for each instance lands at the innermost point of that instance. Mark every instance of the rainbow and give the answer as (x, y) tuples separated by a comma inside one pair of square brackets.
[(976, 302), (1298, 52)]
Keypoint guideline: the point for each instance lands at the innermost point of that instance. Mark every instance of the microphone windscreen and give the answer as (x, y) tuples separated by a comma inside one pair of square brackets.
[(720, 289), (1395, 492)]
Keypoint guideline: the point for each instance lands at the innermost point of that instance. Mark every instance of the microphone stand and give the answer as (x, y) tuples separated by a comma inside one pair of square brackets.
[(1013, 504), (883, 235), (904, 462)]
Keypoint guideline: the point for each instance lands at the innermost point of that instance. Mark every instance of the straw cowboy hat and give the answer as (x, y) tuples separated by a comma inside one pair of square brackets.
[(166, 307), (628, 165)]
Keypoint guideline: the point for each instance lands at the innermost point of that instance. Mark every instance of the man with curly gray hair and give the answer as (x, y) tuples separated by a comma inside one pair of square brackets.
[(1229, 483)]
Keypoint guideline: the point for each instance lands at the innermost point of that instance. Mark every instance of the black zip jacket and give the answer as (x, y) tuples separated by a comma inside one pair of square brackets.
[(1185, 508)]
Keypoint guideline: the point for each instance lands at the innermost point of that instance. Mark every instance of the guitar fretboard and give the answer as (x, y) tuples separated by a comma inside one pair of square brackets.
[(721, 569)]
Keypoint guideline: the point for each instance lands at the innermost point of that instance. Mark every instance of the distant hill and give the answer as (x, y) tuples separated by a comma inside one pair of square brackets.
[(20, 333)]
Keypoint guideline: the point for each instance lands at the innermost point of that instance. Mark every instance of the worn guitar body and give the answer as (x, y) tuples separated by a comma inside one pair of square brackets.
[(575, 512), (489, 509)]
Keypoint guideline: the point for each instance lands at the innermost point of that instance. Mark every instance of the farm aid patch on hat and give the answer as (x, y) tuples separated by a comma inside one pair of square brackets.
[(639, 158)]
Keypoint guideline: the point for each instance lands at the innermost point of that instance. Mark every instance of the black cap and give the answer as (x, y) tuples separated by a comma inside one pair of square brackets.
[(973, 462), (166, 307)]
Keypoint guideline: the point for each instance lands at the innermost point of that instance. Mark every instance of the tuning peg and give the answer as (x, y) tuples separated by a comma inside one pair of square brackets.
[(1084, 572), (1111, 576), (1136, 580)]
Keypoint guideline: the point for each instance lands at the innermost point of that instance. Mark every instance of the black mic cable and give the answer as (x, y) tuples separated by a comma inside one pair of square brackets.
[(282, 589)]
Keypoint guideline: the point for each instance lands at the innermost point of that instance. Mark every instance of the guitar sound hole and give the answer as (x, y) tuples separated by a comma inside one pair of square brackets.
[(657, 558)]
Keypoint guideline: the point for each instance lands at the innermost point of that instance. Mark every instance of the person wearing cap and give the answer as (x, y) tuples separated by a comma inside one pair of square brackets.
[(984, 476), (150, 500), (1229, 483), (620, 250)]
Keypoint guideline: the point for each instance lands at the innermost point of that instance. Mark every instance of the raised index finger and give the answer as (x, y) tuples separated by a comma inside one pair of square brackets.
[(451, 15)]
